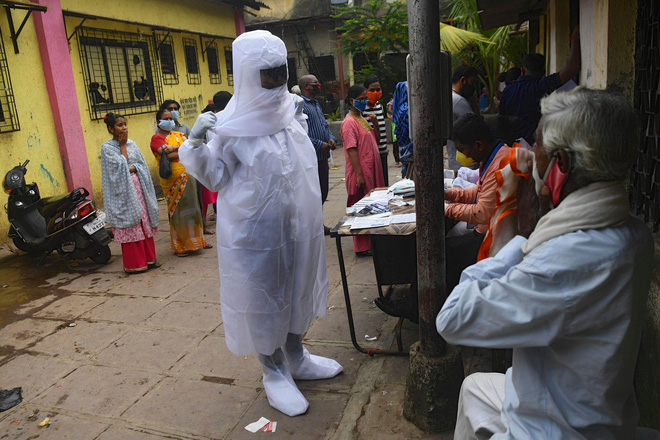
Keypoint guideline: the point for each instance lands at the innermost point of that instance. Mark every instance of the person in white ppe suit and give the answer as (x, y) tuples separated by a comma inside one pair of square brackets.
[(271, 249), (570, 299)]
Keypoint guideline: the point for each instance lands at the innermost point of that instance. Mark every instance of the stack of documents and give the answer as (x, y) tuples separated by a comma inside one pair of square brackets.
[(380, 220), (403, 188)]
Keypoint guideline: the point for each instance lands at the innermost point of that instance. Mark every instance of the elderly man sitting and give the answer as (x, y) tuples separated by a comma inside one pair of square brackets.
[(570, 299)]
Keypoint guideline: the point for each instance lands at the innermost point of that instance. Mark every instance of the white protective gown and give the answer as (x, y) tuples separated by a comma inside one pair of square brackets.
[(271, 248)]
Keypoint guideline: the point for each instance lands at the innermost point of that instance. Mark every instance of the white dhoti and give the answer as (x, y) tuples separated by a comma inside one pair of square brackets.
[(480, 407)]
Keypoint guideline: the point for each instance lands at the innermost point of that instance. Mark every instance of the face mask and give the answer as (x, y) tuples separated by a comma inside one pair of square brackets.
[(166, 124), (360, 105), (374, 97), (464, 160), (554, 179), (175, 115), (467, 91)]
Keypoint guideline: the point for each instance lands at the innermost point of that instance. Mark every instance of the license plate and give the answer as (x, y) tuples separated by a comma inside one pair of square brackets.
[(97, 224)]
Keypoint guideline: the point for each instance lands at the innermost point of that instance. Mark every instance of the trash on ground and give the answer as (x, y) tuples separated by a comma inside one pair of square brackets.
[(256, 426), (4, 286), (10, 398), (331, 307), (46, 422), (383, 392), (73, 264), (73, 324), (270, 427), (370, 338), (16, 422)]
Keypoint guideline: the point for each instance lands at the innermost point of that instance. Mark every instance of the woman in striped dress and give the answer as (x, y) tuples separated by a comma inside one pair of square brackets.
[(374, 92)]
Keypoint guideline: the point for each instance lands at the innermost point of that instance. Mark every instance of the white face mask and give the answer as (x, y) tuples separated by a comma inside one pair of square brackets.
[(538, 181), (167, 124)]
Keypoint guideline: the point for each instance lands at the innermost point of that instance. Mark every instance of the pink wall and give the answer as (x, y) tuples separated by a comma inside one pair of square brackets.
[(58, 73)]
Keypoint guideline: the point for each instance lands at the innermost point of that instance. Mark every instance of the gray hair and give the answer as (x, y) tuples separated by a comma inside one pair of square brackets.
[(599, 128)]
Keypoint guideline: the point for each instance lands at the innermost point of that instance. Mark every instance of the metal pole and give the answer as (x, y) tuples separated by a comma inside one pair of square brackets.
[(424, 89), (435, 371)]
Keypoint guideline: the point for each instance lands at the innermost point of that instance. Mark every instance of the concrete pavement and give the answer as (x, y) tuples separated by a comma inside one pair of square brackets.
[(108, 356)]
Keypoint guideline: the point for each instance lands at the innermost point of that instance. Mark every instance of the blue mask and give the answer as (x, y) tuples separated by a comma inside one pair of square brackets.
[(166, 124), (175, 114), (360, 105)]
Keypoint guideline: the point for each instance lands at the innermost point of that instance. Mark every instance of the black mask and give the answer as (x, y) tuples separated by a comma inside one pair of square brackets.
[(467, 91)]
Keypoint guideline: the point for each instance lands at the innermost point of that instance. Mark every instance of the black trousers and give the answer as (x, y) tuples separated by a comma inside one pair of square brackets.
[(383, 161), (324, 175), (460, 253)]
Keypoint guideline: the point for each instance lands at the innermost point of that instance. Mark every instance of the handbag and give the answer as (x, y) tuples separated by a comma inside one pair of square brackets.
[(164, 167)]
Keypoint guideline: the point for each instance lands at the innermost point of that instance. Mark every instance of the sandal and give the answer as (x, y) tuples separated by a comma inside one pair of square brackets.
[(209, 232), (181, 254), (208, 246), (212, 217)]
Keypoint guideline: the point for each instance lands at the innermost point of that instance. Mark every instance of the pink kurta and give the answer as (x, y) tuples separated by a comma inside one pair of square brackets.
[(359, 134)]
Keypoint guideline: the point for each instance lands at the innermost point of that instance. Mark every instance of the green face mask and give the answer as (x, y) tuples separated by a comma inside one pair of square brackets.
[(464, 160)]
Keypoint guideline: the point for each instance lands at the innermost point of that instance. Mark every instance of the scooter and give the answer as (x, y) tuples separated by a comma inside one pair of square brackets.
[(68, 223)]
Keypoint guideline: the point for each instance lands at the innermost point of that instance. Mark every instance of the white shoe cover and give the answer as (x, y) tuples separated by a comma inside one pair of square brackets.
[(305, 366), (281, 390)]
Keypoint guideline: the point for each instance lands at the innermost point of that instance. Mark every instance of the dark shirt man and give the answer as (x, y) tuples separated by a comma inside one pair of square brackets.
[(522, 98), (318, 130)]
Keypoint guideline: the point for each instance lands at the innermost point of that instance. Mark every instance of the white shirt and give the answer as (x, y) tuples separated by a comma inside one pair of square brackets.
[(572, 310)]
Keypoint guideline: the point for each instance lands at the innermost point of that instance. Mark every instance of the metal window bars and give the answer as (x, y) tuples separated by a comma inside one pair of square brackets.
[(214, 63), (644, 189), (118, 73), (229, 65), (192, 61), (167, 58), (8, 114)]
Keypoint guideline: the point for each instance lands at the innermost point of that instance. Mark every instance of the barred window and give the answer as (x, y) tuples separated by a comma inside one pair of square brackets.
[(214, 64), (229, 64), (192, 62), (118, 74), (167, 60), (323, 67), (8, 115)]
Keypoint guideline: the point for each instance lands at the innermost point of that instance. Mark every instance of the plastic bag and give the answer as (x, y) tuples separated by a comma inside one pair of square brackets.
[(164, 167)]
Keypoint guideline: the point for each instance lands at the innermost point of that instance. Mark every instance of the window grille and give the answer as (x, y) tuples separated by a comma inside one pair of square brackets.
[(214, 64), (192, 62), (118, 73), (229, 64), (645, 175), (326, 67), (8, 115), (167, 59)]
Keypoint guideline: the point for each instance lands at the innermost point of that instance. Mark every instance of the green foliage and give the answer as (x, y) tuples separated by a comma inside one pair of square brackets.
[(378, 27), (379, 30), (334, 116), (503, 49)]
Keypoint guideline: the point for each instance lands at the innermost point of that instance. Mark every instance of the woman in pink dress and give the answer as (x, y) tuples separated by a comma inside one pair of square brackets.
[(364, 170)]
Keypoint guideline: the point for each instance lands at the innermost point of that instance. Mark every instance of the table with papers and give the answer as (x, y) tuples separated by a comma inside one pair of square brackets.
[(393, 245)]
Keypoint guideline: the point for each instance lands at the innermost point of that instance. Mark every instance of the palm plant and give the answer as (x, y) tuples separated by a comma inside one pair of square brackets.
[(502, 49)]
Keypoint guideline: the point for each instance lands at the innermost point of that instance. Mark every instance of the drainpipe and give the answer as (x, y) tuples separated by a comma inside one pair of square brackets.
[(239, 19), (435, 371)]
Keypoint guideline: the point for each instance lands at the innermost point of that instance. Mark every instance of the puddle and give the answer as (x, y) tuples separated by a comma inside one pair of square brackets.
[(25, 283)]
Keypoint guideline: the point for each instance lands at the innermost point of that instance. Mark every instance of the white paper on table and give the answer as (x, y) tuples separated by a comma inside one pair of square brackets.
[(348, 221), (256, 426), (371, 221), (403, 218)]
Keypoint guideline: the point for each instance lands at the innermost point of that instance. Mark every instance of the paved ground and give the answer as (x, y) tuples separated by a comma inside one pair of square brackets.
[(108, 356)]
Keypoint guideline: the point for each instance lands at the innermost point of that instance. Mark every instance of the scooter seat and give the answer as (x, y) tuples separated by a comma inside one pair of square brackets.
[(50, 205)]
